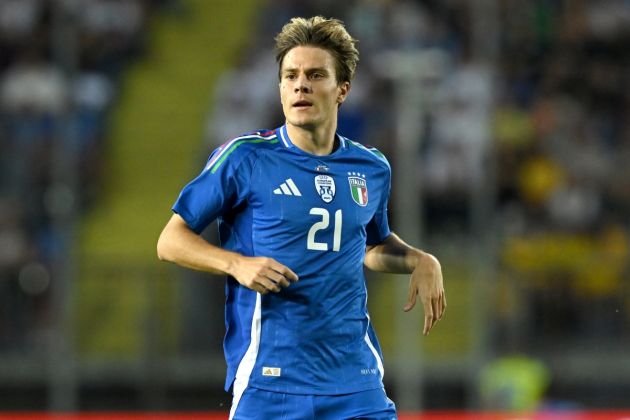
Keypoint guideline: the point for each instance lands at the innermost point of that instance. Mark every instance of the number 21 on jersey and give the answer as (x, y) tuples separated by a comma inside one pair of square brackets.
[(311, 243)]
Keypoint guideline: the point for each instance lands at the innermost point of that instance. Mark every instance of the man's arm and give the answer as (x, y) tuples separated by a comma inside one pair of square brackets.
[(393, 255), (181, 245)]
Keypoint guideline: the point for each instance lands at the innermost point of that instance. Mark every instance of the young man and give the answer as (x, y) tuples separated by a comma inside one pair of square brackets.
[(301, 209)]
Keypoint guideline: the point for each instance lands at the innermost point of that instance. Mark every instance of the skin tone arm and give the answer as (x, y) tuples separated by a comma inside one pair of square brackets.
[(393, 255), (180, 245)]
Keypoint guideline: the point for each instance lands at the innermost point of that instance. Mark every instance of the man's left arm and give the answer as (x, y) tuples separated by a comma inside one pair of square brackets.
[(393, 255)]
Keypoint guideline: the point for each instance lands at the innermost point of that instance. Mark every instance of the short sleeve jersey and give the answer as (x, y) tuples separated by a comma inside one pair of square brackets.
[(314, 214)]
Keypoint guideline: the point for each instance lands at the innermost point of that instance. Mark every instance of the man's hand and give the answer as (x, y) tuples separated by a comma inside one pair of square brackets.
[(262, 274), (393, 255), (426, 281), (181, 245)]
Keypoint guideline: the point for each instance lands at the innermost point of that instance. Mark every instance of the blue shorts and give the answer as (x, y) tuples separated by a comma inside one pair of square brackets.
[(264, 405)]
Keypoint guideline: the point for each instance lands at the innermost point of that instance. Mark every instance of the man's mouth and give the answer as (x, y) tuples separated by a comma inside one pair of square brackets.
[(302, 104)]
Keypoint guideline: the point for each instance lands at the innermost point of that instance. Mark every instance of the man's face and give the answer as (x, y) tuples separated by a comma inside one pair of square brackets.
[(309, 91)]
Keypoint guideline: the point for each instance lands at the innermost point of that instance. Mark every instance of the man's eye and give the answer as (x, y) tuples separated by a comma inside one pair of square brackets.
[(290, 76), (317, 76)]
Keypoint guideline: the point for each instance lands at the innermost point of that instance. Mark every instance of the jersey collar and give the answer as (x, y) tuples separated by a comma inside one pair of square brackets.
[(283, 134)]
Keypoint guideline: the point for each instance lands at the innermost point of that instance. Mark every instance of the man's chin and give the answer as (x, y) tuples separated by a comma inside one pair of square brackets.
[(303, 124)]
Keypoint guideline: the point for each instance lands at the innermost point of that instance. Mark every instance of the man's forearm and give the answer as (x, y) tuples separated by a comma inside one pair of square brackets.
[(180, 245), (393, 255)]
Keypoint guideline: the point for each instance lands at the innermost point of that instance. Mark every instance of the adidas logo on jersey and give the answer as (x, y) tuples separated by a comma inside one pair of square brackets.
[(288, 187), (271, 371)]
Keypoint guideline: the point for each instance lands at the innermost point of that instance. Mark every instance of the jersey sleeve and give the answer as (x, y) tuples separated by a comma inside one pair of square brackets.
[(221, 186), (377, 229)]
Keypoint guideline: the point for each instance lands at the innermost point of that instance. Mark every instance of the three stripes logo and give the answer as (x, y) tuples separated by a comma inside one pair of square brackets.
[(288, 187), (271, 371)]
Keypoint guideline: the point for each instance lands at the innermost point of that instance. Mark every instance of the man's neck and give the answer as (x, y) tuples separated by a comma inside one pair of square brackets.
[(319, 141)]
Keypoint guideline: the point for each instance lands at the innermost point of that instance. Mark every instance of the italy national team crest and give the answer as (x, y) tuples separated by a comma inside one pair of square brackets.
[(358, 188), (325, 187)]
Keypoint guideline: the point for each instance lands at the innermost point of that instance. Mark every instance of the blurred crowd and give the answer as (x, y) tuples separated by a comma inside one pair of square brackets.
[(532, 128), (562, 136), (60, 68)]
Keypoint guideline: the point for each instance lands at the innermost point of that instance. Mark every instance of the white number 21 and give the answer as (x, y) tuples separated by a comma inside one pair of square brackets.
[(323, 224)]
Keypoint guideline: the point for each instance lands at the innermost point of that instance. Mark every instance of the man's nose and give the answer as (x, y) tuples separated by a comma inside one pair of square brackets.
[(302, 85)]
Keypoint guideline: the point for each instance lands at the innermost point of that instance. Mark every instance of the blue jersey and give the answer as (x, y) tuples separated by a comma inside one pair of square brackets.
[(314, 214)]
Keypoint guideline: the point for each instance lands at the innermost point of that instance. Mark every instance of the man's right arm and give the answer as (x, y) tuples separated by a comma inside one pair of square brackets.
[(181, 245)]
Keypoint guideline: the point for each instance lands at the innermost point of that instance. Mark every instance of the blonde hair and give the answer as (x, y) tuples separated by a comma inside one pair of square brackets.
[(329, 34)]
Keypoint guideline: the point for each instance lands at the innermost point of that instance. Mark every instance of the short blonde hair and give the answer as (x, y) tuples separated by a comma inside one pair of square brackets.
[(328, 34)]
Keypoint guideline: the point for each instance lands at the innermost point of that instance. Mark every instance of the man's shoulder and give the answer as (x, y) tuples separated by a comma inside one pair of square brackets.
[(251, 141), (240, 147), (368, 152)]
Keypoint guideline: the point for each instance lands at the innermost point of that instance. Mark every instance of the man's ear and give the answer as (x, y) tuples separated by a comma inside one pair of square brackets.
[(344, 89)]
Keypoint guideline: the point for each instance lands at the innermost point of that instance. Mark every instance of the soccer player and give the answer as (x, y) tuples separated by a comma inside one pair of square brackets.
[(300, 210)]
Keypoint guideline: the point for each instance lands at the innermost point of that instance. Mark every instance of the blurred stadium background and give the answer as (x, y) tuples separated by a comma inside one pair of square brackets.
[(508, 127)]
